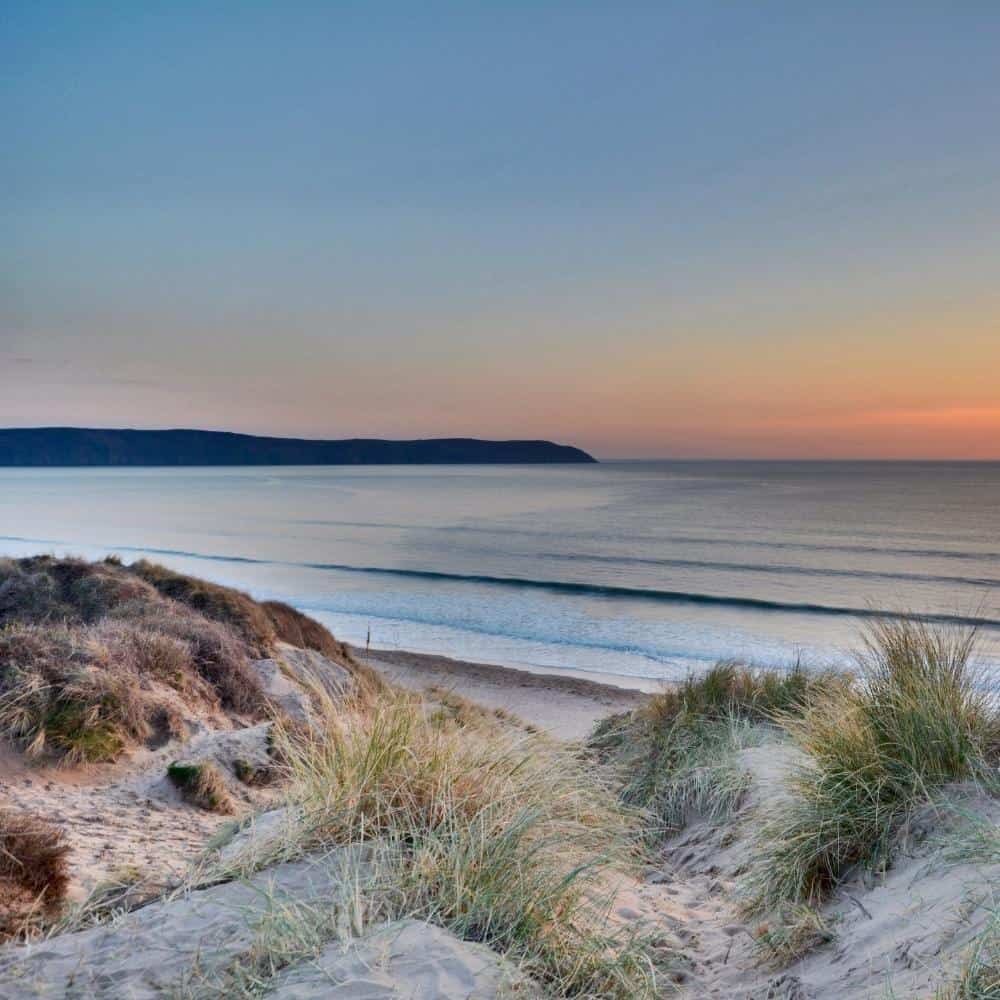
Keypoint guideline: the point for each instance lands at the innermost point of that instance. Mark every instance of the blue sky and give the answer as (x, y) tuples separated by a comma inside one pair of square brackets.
[(650, 229)]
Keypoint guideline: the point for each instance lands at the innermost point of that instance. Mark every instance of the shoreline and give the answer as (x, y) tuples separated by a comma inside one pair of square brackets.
[(560, 702)]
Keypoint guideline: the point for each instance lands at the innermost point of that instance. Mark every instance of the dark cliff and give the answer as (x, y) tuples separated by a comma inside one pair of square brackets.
[(76, 446)]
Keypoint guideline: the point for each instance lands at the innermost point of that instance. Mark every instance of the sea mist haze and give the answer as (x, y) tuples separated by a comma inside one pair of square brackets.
[(646, 570)]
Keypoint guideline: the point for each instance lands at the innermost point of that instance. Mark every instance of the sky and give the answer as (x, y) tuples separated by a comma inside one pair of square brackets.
[(700, 229)]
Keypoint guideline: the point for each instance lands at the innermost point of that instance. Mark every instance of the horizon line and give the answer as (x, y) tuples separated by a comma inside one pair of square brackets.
[(600, 459)]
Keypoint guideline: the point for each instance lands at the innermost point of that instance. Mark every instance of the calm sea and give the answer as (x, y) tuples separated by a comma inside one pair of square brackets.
[(645, 569)]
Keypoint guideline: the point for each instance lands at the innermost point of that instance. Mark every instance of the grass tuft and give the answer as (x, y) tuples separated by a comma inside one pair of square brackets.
[(297, 629), (499, 838), (676, 753), (968, 839), (453, 708), (979, 978), (34, 873), (791, 933), (875, 750), (65, 692), (77, 732), (222, 604), (94, 655), (88, 652), (254, 773), (201, 785)]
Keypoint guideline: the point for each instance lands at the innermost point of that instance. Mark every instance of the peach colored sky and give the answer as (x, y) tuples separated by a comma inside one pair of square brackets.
[(685, 230)]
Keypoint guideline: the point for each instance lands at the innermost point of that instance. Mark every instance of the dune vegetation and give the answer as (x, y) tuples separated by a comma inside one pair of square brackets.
[(499, 836), (875, 746), (675, 754), (915, 719), (979, 977), (94, 657), (877, 757), (201, 785), (33, 871), (466, 818)]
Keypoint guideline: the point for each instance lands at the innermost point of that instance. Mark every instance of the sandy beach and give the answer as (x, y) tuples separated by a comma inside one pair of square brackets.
[(562, 704)]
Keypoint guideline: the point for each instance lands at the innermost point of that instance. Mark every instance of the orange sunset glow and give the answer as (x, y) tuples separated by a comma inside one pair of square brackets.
[(784, 261)]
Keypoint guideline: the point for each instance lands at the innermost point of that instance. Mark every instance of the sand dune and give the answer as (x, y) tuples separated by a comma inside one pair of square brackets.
[(167, 898)]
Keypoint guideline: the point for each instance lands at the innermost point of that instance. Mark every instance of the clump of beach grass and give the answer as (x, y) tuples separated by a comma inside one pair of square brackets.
[(122, 890), (255, 774), (792, 932), (64, 692), (34, 872), (82, 694), (498, 837), (292, 626), (94, 659), (969, 839), (201, 785), (676, 754), (453, 707), (98, 656), (979, 976), (915, 718), (259, 624)]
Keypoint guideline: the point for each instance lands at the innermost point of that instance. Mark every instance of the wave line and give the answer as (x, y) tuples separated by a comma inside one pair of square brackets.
[(571, 587)]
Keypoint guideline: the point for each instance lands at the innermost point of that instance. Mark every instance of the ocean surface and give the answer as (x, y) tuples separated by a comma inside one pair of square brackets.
[(643, 569)]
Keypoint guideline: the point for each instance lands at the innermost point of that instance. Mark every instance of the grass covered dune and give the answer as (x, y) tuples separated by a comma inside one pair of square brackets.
[(456, 816), (880, 767), (745, 834), (96, 657)]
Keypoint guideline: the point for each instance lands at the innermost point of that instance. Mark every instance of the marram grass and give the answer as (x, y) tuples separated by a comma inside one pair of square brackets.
[(676, 755), (499, 837), (979, 976), (915, 718)]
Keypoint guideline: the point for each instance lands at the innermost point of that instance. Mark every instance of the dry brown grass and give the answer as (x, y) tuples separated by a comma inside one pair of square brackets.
[(42, 589), (979, 976), (63, 693), (255, 774), (232, 607), (218, 656), (201, 785), (454, 708), (300, 630), (297, 629), (34, 874), (792, 931), (91, 654), (85, 692)]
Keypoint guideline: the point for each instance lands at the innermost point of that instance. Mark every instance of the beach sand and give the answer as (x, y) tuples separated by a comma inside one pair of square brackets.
[(563, 704)]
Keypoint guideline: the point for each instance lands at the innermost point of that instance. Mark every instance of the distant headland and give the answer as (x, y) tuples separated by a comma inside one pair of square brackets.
[(81, 446)]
